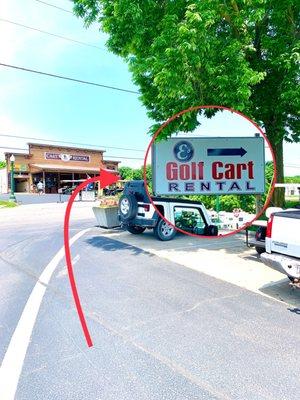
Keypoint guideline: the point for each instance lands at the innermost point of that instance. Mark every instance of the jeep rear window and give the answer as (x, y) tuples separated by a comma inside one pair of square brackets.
[(189, 219)]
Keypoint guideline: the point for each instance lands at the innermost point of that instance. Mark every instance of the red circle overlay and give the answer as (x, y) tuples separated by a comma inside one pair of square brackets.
[(195, 108)]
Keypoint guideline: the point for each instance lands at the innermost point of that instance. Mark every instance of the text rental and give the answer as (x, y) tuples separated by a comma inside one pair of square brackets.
[(224, 176)]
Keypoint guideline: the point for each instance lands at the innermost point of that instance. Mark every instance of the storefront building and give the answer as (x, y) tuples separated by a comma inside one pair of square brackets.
[(56, 166)]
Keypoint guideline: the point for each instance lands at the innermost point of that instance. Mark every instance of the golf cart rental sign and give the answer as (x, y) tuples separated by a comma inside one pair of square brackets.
[(209, 166)]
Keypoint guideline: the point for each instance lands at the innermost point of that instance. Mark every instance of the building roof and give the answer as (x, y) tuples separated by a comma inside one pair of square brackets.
[(111, 161), (288, 185), (58, 146), (15, 153)]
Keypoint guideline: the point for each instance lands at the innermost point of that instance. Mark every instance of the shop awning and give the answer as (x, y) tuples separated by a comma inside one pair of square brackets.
[(67, 168), (70, 168)]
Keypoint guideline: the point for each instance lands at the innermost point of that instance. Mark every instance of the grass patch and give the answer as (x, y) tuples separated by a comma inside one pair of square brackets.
[(292, 204), (8, 204)]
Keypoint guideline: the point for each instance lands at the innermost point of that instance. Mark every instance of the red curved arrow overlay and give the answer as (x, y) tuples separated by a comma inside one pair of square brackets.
[(105, 178)]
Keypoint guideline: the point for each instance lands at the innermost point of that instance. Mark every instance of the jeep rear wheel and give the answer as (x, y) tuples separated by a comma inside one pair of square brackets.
[(135, 229), (163, 231), (127, 207)]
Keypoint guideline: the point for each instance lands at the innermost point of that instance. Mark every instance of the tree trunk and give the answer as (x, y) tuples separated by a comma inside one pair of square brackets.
[(278, 194)]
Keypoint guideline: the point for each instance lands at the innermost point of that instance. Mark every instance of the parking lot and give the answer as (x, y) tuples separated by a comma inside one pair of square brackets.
[(226, 258), (162, 325)]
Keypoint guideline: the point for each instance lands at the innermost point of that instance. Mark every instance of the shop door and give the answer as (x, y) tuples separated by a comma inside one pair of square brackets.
[(51, 182)]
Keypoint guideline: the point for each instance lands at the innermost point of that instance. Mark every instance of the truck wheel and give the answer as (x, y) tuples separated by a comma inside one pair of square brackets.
[(259, 250), (164, 231), (135, 229), (127, 207)]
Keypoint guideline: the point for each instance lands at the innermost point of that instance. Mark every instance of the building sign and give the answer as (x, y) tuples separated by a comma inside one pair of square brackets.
[(88, 195), (21, 167), (233, 165), (67, 157)]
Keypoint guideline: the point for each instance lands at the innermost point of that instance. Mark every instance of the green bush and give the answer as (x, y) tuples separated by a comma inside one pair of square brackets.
[(292, 203)]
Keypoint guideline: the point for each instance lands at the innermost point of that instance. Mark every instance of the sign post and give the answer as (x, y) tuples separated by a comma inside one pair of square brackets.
[(209, 165), (218, 207)]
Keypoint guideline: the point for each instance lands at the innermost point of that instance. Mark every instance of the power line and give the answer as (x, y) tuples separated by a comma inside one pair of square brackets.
[(13, 148), (68, 79), (52, 5), (126, 158), (52, 34), (121, 157), (117, 157), (72, 143)]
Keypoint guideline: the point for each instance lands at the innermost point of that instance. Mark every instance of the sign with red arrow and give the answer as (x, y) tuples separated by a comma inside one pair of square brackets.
[(105, 178), (209, 165)]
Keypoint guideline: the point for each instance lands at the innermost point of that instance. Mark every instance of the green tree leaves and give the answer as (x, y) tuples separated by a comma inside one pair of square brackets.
[(242, 54), (128, 173)]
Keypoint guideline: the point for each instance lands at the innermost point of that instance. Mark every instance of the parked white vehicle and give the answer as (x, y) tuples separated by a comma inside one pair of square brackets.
[(283, 244)]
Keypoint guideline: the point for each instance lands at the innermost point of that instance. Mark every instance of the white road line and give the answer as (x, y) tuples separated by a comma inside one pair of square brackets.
[(64, 270), (13, 360)]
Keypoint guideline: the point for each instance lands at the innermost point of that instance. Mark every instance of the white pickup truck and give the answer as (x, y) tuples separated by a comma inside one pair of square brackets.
[(283, 244)]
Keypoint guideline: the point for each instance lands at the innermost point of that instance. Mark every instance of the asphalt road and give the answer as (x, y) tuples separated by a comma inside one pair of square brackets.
[(160, 330)]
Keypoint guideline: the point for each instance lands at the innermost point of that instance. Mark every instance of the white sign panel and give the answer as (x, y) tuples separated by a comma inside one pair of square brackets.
[(66, 157), (234, 165), (88, 195)]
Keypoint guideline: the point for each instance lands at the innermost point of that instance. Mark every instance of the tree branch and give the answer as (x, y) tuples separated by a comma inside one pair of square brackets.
[(235, 6)]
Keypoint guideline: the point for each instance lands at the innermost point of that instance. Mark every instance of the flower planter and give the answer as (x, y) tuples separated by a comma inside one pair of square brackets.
[(107, 217)]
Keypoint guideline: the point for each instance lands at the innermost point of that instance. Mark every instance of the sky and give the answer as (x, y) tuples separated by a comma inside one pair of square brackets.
[(53, 109)]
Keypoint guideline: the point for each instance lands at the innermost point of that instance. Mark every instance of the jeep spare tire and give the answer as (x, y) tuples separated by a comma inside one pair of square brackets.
[(127, 207), (163, 231), (211, 230)]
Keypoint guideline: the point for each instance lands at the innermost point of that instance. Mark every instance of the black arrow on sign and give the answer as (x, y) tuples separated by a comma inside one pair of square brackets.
[(226, 152)]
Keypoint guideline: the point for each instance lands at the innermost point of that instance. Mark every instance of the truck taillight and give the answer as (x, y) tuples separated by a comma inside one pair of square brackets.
[(269, 227), (146, 207)]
